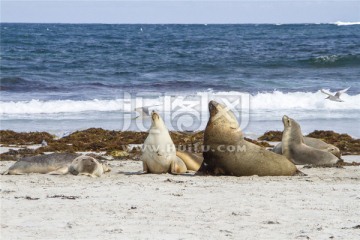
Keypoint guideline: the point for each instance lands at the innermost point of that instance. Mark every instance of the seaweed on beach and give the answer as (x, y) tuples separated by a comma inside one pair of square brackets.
[(96, 139), (24, 138), (340, 164), (271, 136), (259, 143), (115, 143), (14, 155)]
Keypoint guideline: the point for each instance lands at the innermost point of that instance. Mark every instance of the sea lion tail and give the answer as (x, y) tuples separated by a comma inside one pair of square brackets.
[(5, 173)]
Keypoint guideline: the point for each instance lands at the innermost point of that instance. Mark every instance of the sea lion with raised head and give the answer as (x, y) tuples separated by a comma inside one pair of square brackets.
[(227, 153), (315, 143), (294, 148), (158, 152)]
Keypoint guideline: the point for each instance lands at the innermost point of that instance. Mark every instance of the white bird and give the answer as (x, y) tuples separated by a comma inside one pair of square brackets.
[(144, 112), (335, 97), (44, 143)]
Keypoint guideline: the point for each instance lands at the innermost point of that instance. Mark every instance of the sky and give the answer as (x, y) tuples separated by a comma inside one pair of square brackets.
[(171, 11)]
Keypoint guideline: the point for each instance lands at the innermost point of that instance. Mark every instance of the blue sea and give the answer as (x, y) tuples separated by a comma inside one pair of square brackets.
[(66, 77)]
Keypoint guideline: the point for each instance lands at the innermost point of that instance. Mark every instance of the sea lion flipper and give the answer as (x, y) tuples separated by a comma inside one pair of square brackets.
[(178, 166), (145, 167), (191, 160), (60, 171), (13, 172), (86, 174)]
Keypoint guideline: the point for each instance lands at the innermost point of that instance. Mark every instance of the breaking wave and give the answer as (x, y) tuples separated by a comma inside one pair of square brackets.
[(271, 101), (339, 23)]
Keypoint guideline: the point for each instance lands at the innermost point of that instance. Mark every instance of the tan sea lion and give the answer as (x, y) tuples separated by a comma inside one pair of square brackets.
[(159, 153), (89, 166), (294, 148), (42, 164), (55, 163), (315, 143), (192, 161), (226, 152)]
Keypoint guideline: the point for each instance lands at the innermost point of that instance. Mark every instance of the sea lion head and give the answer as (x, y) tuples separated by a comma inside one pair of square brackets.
[(83, 164), (334, 150), (286, 121), (222, 124), (222, 130), (156, 122), (292, 130)]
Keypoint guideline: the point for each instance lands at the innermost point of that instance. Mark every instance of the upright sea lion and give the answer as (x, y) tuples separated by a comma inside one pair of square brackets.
[(86, 165), (55, 163), (226, 152), (315, 143), (294, 148), (159, 153)]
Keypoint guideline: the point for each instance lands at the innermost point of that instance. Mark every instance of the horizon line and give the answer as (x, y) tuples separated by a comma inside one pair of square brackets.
[(180, 23)]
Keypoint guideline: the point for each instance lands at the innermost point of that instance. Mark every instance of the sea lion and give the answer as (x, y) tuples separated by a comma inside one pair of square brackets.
[(192, 161), (294, 148), (226, 152), (55, 163), (42, 164), (89, 166), (158, 152), (315, 143)]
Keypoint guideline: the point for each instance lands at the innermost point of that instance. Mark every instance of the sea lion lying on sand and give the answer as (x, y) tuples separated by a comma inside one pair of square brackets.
[(55, 163), (315, 143)]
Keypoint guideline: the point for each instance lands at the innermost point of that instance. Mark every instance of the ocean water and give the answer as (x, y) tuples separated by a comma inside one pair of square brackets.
[(66, 77)]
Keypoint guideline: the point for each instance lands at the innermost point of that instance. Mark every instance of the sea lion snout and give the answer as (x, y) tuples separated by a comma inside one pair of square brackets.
[(214, 108), (212, 104), (154, 115), (286, 121)]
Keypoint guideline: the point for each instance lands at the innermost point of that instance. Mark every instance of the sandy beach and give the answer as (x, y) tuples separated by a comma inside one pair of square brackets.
[(122, 205)]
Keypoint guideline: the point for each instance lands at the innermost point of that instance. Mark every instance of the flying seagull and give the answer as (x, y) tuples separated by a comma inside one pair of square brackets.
[(335, 97), (144, 112)]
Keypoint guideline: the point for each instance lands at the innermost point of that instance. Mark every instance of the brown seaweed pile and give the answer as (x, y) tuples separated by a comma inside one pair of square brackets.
[(10, 137), (14, 155), (271, 136), (259, 143), (115, 143), (340, 164)]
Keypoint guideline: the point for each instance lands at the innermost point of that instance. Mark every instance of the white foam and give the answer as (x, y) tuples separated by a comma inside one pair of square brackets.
[(302, 100), (271, 101), (339, 23), (58, 106)]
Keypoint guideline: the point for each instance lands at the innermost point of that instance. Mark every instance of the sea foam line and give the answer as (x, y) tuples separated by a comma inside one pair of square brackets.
[(260, 101), (339, 23)]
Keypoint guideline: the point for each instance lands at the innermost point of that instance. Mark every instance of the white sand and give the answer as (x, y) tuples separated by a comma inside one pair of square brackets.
[(323, 205)]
